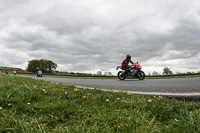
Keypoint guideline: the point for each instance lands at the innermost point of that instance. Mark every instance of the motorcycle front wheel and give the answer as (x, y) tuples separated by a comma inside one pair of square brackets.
[(141, 75), (121, 76)]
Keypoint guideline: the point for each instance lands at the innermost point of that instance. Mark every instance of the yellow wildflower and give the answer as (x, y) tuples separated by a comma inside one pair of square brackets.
[(84, 97), (76, 89), (129, 94), (149, 101)]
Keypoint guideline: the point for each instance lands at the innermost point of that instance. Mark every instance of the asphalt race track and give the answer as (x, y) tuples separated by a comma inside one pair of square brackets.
[(186, 87), (175, 87)]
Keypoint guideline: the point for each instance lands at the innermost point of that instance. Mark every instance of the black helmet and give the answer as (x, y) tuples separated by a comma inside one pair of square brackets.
[(128, 56)]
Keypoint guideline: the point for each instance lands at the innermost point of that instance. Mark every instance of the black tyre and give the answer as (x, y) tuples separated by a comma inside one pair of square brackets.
[(141, 75), (121, 76)]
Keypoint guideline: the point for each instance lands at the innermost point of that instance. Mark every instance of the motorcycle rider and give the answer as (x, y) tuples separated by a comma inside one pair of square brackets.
[(125, 63)]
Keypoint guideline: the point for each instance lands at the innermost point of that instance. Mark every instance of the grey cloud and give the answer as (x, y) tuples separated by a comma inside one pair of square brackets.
[(81, 38), (184, 38)]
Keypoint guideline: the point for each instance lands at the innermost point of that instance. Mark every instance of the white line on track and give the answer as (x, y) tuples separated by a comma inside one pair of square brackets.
[(148, 93)]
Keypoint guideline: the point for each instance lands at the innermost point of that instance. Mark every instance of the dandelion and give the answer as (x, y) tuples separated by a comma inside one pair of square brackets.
[(84, 97), (149, 100), (129, 94), (76, 89)]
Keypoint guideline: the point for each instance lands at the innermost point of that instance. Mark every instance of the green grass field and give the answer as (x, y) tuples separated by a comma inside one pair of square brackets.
[(31, 105), (3, 69)]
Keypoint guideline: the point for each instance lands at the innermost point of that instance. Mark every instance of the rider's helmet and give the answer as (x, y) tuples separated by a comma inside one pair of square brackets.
[(128, 56)]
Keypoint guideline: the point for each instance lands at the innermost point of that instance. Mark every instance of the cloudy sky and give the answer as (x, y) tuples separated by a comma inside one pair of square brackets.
[(92, 35)]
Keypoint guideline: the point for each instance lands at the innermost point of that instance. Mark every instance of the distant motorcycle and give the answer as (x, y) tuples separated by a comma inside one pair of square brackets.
[(39, 73), (133, 72)]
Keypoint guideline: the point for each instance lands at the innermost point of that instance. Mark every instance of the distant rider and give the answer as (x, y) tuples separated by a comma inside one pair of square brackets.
[(125, 63)]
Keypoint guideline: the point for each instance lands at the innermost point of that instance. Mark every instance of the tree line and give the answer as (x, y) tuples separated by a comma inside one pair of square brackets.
[(46, 66)]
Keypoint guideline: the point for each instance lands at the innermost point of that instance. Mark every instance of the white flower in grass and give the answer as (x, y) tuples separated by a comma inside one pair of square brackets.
[(1, 108), (118, 98), (66, 93), (44, 91), (107, 100), (29, 103)]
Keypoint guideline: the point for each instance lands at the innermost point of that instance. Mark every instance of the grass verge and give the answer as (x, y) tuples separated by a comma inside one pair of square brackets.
[(31, 105)]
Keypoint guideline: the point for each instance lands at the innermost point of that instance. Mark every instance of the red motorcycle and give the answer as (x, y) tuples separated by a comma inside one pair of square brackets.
[(133, 72)]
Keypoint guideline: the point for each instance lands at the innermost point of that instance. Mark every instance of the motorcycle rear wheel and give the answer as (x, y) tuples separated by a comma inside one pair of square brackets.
[(121, 76), (141, 75)]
